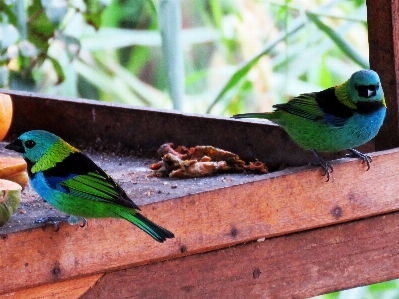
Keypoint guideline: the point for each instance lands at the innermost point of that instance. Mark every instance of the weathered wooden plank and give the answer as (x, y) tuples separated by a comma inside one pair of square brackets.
[(383, 34), (298, 265), (278, 203), (68, 289), (119, 128)]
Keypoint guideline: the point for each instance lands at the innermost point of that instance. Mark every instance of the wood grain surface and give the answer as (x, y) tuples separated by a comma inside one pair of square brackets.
[(68, 289), (279, 203), (383, 29), (298, 265)]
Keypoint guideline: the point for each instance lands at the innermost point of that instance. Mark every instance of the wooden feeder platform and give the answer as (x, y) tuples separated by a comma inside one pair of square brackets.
[(286, 234)]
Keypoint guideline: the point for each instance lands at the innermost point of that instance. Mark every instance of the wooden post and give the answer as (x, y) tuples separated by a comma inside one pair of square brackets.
[(383, 25)]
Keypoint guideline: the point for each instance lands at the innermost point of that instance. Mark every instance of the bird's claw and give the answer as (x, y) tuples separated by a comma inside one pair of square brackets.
[(84, 222), (52, 220), (57, 220), (72, 220), (356, 154), (327, 169), (325, 165)]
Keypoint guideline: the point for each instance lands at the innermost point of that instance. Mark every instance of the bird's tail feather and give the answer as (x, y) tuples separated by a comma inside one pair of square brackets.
[(159, 233), (251, 115)]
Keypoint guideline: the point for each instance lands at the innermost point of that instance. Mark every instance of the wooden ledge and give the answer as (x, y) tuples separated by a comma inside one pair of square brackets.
[(299, 265), (276, 204), (209, 215)]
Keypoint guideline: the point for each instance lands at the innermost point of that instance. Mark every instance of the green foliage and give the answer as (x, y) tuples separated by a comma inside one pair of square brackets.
[(242, 72), (383, 290), (28, 31), (92, 14), (302, 54), (237, 55), (339, 40)]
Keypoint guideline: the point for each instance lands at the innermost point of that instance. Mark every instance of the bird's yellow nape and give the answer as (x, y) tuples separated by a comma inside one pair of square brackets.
[(342, 94), (383, 101)]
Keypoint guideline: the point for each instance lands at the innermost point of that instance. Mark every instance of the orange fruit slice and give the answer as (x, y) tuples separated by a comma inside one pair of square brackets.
[(14, 169), (5, 114)]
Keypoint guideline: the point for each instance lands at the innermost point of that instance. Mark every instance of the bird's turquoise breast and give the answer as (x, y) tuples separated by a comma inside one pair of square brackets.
[(321, 136), (40, 184)]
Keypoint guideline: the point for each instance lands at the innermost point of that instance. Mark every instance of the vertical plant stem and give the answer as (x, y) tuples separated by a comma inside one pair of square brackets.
[(20, 12), (170, 24)]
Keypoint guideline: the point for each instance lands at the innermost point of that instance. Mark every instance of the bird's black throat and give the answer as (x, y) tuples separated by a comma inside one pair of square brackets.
[(369, 107), (29, 165)]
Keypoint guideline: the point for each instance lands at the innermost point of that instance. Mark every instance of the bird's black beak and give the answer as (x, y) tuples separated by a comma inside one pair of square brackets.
[(367, 91), (16, 146), (371, 92)]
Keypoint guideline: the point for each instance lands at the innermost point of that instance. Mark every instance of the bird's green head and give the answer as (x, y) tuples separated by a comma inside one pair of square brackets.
[(32, 145), (365, 86)]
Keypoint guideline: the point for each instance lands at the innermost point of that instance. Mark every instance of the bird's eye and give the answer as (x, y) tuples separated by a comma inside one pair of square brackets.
[(30, 143), (367, 91)]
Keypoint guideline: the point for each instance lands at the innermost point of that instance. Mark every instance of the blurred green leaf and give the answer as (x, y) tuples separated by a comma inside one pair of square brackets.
[(21, 18), (217, 13), (40, 29), (339, 41), (4, 77), (94, 8), (27, 49), (22, 81), (383, 290), (217, 36), (152, 5), (7, 14), (235, 79), (8, 35), (58, 69), (358, 292), (72, 45), (120, 38), (125, 87), (55, 10), (246, 67)]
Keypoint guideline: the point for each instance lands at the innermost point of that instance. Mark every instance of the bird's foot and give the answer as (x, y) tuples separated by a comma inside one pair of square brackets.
[(325, 165), (53, 220), (72, 220), (363, 157)]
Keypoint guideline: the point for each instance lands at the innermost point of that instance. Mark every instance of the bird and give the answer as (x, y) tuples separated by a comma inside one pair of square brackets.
[(338, 118), (71, 182)]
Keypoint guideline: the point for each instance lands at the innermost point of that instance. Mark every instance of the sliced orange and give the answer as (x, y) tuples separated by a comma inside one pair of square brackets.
[(5, 114), (13, 169)]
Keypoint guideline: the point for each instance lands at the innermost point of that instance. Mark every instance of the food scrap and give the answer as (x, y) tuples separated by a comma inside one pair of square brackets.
[(14, 169), (200, 161), (10, 196)]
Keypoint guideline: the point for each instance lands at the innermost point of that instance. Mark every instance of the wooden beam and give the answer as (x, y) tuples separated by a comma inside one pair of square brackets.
[(298, 265), (69, 289), (383, 27), (121, 128), (275, 204)]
